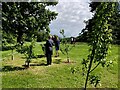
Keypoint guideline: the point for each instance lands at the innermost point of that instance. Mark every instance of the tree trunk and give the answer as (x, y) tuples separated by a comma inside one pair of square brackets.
[(68, 59), (27, 63), (12, 57), (90, 65), (19, 38)]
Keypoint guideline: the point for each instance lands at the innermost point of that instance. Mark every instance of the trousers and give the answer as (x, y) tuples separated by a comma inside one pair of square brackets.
[(49, 59)]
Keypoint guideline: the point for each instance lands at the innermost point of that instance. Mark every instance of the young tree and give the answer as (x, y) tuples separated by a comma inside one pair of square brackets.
[(100, 38), (66, 47), (27, 50)]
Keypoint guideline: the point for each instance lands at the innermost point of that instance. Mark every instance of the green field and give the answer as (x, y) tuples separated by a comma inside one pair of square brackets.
[(59, 74)]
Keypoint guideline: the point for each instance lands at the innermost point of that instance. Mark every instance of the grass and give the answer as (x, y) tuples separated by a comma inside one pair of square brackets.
[(59, 74)]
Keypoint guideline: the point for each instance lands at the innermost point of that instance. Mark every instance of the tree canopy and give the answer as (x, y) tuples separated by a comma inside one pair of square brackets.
[(114, 23), (22, 20)]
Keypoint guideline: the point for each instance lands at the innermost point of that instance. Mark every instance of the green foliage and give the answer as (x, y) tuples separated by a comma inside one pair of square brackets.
[(8, 41), (27, 50), (42, 36), (113, 21), (94, 79), (66, 48), (19, 18), (100, 38), (24, 21)]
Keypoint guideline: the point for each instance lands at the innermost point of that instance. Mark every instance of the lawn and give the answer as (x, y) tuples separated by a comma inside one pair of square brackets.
[(59, 74)]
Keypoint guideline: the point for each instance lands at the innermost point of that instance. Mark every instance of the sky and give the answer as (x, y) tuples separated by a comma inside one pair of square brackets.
[(71, 15)]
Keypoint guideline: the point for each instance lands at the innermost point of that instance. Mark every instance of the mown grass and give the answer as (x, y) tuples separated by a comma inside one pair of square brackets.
[(59, 74)]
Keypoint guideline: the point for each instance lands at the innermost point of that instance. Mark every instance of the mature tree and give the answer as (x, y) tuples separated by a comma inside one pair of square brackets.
[(19, 18), (25, 20), (115, 22), (0, 26), (84, 35)]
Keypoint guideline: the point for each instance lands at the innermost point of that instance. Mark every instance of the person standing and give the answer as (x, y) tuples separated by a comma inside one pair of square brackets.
[(57, 45), (49, 50)]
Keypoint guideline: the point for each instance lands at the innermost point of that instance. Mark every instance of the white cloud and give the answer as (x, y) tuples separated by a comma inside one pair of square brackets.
[(70, 16)]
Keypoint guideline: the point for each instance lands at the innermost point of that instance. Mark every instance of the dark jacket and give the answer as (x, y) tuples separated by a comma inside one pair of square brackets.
[(49, 48)]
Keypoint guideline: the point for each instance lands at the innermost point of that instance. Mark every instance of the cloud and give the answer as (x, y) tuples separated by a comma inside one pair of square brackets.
[(70, 16)]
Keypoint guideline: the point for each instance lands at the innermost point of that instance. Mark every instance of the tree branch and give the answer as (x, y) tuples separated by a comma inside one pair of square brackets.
[(94, 67)]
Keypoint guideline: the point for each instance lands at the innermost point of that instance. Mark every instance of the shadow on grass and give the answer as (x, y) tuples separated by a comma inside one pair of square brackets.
[(35, 57), (70, 62), (11, 68), (57, 61), (41, 64), (40, 56)]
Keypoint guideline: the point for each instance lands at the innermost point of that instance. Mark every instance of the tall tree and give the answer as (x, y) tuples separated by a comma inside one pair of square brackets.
[(114, 22), (19, 18)]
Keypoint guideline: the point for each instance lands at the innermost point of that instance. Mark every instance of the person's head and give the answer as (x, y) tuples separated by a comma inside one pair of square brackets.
[(50, 36), (54, 36)]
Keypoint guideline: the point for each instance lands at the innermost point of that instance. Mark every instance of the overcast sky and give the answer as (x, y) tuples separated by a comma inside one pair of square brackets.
[(71, 15)]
